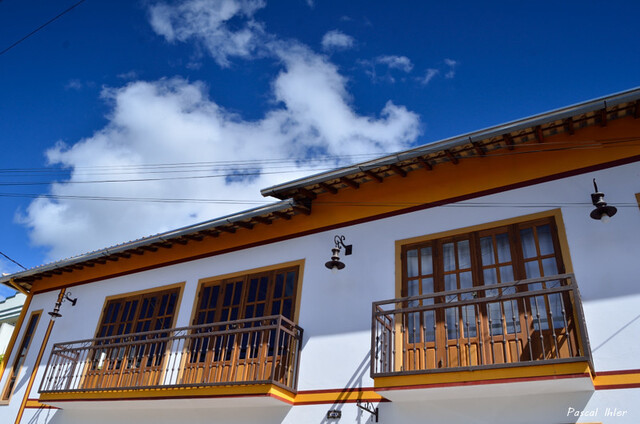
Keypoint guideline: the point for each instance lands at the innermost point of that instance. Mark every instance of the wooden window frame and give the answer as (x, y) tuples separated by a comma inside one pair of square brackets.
[(250, 272), (512, 228), (124, 297), (224, 281), (19, 359), (556, 214)]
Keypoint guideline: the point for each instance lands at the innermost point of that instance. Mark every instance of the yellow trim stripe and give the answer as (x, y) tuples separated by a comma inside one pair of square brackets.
[(305, 398), (36, 404), (460, 377), (180, 392), (36, 365), (14, 336), (337, 396), (617, 380)]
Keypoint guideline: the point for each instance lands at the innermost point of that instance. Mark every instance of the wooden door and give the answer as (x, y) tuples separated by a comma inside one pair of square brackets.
[(126, 360), (549, 317)]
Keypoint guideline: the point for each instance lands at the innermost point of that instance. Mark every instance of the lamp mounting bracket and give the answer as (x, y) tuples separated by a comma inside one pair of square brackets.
[(368, 406), (339, 241)]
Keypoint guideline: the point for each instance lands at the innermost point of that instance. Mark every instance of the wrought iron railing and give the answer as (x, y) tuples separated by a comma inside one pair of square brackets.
[(534, 321), (263, 350)]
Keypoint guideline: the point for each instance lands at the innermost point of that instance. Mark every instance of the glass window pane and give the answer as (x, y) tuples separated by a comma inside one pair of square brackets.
[(277, 292), (464, 255), (532, 269), (555, 304), (275, 307), (504, 248), (545, 240), (450, 282), (413, 288), (528, 243), (253, 289), (290, 284), (506, 274), (539, 313), (413, 327), (264, 287), (214, 296), (286, 308), (426, 261), (549, 266), (495, 319), (427, 285), (466, 280), (248, 311), (469, 321), (511, 316), (486, 246), (452, 322), (412, 263), (429, 326), (490, 277), (449, 259)]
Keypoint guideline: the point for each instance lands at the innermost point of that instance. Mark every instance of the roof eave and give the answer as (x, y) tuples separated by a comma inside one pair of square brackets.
[(282, 190), (163, 237)]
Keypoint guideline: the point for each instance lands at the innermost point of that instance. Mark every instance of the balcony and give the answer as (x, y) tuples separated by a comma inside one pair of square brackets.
[(521, 331), (256, 356)]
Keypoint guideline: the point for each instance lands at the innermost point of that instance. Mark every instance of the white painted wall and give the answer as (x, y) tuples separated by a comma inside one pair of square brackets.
[(336, 309)]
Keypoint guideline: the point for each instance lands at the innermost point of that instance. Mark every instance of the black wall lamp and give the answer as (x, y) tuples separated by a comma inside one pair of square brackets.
[(335, 264), (602, 212), (56, 309)]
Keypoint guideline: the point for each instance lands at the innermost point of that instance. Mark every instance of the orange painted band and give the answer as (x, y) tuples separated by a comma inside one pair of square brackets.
[(487, 192)]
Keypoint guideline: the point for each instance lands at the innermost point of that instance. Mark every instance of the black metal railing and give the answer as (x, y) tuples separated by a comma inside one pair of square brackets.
[(263, 350), (532, 321)]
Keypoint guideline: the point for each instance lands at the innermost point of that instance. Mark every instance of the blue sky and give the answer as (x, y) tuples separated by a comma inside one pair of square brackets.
[(127, 90)]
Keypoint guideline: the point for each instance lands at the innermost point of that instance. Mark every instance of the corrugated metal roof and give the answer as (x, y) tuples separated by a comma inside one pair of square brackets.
[(286, 189)]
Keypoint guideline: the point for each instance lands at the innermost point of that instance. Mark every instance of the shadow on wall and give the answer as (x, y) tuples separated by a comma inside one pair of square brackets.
[(594, 349), (185, 413), (43, 415), (530, 409), (353, 385)]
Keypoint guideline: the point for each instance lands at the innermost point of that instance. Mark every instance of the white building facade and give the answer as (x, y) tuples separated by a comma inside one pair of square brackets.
[(479, 289)]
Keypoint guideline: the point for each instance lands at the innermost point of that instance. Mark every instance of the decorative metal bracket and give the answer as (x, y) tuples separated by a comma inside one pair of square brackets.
[(339, 241), (368, 406)]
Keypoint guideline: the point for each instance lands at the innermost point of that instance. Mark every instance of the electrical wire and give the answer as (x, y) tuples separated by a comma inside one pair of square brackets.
[(61, 14), (253, 172), (13, 261), (235, 169)]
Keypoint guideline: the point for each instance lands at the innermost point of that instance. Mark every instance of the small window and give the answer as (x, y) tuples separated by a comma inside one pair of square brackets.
[(21, 354)]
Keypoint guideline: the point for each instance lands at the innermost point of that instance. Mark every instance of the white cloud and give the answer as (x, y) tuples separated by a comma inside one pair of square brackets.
[(452, 64), (131, 75), (74, 84), (428, 76), (207, 22), (174, 121), (337, 40), (401, 63)]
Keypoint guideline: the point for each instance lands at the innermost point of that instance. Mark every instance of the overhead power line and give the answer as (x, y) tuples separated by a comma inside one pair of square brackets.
[(463, 204), (69, 9), (234, 170), (13, 261)]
